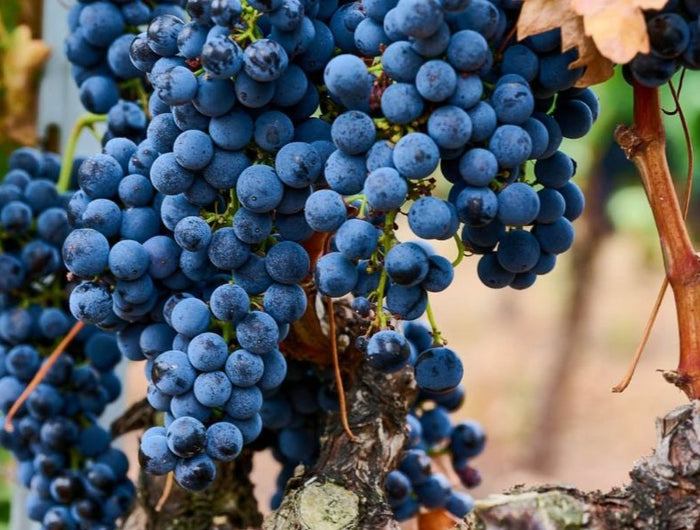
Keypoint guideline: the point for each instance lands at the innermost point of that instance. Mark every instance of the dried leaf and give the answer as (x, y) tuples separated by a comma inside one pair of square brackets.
[(598, 68), (604, 31), (538, 16), (617, 27), (21, 61), (619, 31), (589, 7)]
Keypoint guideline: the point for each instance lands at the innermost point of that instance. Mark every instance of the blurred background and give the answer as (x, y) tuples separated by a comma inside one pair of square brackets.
[(539, 364)]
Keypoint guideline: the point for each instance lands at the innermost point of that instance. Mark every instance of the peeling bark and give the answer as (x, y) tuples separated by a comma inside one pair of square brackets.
[(664, 491), (345, 489)]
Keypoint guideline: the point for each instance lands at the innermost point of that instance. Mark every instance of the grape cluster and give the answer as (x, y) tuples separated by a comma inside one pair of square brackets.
[(486, 107), (65, 458), (430, 431), (192, 234), (101, 34), (674, 38)]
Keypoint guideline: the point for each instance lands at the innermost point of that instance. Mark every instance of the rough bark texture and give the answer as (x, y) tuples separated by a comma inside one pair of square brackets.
[(663, 493), (345, 489)]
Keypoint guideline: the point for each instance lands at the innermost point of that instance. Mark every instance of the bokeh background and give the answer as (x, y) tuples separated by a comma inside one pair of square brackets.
[(539, 364)]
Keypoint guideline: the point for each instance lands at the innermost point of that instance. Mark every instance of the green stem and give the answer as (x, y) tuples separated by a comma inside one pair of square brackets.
[(137, 85), (143, 98), (376, 69), (95, 134), (86, 120), (386, 242), (380, 321), (461, 249), (437, 336)]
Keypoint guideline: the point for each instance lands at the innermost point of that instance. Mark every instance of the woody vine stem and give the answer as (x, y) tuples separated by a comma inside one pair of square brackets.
[(645, 145)]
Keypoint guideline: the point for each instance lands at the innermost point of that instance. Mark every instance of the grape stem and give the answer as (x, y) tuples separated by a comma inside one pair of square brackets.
[(645, 145), (167, 489), (142, 95), (86, 120), (460, 249), (41, 374), (386, 242), (336, 369), (437, 336)]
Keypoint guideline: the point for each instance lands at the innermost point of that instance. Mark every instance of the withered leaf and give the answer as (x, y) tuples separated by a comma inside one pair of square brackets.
[(618, 28), (603, 31), (538, 16)]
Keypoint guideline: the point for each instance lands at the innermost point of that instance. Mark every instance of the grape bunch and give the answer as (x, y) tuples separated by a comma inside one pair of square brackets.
[(65, 457), (484, 107), (98, 45), (270, 165), (674, 38), (430, 431)]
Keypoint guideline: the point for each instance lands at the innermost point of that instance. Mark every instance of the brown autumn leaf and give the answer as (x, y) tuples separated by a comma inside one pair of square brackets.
[(21, 60), (604, 31), (617, 27), (538, 16), (598, 68)]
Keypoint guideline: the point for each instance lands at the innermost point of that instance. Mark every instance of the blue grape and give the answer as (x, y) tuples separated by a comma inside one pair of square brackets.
[(224, 441), (356, 239), (387, 351), (325, 210), (193, 150), (335, 275), (436, 80), (492, 274), (257, 332), (172, 373), (226, 251), (438, 370), (231, 131), (244, 403), (298, 164), (128, 260), (265, 60), (85, 252), (190, 317), (402, 103), (243, 368), (511, 145), (287, 262), (212, 389)]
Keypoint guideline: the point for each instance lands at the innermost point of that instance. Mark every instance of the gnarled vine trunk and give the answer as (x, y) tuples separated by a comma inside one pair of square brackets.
[(345, 489), (664, 492)]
